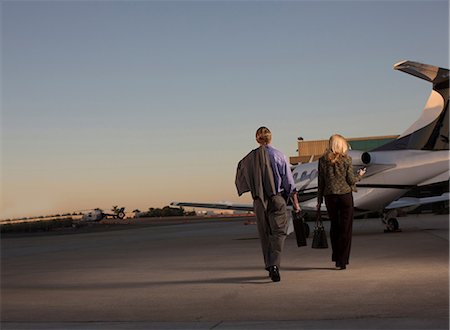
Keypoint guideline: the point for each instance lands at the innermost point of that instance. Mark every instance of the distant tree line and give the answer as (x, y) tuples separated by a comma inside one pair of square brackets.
[(46, 216), (166, 211), (36, 226)]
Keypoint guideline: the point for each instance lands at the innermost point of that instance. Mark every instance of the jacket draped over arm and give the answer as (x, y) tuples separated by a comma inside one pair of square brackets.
[(254, 174)]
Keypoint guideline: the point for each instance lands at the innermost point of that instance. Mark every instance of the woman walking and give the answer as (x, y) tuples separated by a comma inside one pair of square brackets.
[(336, 184)]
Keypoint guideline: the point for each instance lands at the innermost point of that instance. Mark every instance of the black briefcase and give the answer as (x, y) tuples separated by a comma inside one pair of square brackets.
[(299, 228)]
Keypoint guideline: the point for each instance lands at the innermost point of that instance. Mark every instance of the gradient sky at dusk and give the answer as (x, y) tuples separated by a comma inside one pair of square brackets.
[(141, 103)]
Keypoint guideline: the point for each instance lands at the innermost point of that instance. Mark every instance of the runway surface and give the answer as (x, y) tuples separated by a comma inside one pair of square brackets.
[(210, 275)]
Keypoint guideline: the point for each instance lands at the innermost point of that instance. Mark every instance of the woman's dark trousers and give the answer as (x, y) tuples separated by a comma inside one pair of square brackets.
[(340, 211)]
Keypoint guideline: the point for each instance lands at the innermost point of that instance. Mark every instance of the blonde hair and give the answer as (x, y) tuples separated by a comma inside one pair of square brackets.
[(263, 135), (337, 148)]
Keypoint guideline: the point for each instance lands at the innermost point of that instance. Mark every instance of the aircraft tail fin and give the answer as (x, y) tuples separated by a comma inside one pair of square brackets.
[(430, 131)]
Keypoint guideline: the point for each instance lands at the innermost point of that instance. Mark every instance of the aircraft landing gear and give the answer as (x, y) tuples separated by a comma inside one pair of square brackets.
[(392, 225), (391, 222)]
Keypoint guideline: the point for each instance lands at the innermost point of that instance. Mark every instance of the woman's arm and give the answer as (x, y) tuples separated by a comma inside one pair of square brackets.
[(351, 177), (321, 183)]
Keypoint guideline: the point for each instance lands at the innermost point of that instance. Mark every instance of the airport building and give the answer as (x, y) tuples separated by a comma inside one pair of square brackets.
[(309, 151)]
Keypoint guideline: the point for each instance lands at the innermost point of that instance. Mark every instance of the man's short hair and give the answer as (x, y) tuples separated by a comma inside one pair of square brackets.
[(263, 135)]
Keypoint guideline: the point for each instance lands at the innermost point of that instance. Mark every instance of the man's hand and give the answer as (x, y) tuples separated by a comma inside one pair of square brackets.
[(295, 202)]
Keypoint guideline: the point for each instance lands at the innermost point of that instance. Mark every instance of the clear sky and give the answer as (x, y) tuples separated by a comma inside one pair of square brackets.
[(140, 103)]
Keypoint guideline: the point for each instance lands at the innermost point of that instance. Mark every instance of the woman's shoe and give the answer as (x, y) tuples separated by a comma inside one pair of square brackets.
[(340, 266)]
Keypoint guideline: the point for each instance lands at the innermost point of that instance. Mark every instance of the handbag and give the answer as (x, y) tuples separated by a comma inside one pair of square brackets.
[(320, 236), (299, 228)]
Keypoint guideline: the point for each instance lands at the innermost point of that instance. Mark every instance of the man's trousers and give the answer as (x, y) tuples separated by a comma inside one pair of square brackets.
[(272, 228)]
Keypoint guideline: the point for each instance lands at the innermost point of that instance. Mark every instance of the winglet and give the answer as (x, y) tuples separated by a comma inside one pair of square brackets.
[(427, 72)]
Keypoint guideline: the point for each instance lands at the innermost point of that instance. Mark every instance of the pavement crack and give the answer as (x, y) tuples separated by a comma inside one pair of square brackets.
[(216, 325)]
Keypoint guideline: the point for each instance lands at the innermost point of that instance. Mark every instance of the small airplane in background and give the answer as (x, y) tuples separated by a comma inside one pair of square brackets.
[(98, 214), (417, 159)]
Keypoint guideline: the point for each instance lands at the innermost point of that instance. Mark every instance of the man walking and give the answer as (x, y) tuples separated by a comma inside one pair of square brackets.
[(265, 172)]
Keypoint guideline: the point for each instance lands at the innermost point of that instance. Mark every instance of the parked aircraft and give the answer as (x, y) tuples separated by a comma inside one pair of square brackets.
[(416, 159), (98, 214)]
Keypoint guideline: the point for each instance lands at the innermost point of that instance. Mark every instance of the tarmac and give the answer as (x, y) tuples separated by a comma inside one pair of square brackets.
[(210, 275)]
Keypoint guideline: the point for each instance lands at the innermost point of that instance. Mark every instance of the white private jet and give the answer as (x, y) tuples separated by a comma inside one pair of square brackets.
[(416, 159)]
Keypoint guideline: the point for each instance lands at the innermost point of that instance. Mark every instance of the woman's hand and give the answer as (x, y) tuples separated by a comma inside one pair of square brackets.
[(362, 171)]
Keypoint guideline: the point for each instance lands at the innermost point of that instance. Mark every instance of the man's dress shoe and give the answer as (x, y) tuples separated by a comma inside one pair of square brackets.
[(274, 274)]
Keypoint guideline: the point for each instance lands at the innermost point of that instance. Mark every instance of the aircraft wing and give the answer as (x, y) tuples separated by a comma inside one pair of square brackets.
[(232, 206), (413, 201), (309, 207), (218, 206), (439, 178)]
